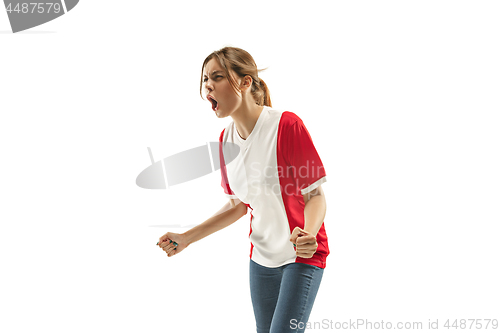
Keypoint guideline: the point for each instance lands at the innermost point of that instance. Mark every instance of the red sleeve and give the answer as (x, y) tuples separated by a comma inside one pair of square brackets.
[(302, 158), (224, 181)]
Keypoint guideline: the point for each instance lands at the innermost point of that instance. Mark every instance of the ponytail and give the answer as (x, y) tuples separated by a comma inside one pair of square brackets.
[(266, 98)]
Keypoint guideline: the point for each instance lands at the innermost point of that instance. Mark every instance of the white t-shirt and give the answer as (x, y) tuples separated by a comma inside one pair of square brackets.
[(275, 166)]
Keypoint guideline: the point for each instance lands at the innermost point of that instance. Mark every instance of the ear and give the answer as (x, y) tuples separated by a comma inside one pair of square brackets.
[(246, 82)]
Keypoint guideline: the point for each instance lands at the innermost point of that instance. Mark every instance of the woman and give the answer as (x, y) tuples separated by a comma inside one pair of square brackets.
[(278, 174)]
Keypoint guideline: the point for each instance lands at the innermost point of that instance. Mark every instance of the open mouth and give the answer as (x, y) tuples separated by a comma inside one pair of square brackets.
[(215, 104)]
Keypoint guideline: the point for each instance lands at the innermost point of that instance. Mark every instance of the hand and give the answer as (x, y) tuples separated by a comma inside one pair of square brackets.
[(305, 243), (172, 243)]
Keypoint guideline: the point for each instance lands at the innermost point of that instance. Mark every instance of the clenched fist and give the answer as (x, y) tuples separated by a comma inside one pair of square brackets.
[(172, 243), (304, 242)]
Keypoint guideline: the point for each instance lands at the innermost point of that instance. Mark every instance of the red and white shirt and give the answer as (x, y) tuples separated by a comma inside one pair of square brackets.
[(275, 166)]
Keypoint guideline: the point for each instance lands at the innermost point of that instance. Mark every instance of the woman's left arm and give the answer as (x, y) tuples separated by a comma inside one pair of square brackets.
[(314, 214), (314, 210)]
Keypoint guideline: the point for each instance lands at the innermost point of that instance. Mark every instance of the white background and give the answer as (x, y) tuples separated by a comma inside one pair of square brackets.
[(401, 99)]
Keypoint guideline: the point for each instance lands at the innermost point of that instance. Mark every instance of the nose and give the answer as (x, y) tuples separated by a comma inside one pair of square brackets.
[(208, 86)]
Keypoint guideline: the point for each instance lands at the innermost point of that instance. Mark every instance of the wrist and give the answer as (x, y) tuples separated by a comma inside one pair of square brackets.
[(187, 237), (311, 232)]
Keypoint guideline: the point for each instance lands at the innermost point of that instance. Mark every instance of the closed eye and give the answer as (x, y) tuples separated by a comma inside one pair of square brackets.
[(205, 79)]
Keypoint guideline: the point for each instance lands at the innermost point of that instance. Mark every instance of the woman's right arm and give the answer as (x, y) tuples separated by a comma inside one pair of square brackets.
[(231, 212), (227, 215)]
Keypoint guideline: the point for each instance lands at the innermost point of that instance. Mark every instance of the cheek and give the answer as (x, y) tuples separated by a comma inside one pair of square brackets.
[(230, 92), (227, 91)]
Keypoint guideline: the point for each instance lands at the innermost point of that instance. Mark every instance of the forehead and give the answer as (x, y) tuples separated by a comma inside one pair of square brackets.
[(211, 67)]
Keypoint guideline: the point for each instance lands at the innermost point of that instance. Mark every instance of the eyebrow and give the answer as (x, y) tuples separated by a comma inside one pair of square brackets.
[(213, 72)]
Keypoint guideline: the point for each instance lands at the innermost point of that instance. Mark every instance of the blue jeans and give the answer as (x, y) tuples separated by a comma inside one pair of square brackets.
[(283, 297)]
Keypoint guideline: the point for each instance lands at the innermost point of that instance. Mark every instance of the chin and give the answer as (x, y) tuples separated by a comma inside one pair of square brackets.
[(220, 114)]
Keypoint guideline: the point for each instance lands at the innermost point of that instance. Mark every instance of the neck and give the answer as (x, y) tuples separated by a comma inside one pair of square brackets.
[(245, 118)]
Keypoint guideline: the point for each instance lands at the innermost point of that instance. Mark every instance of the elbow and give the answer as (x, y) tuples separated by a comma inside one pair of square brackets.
[(244, 209), (241, 208)]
